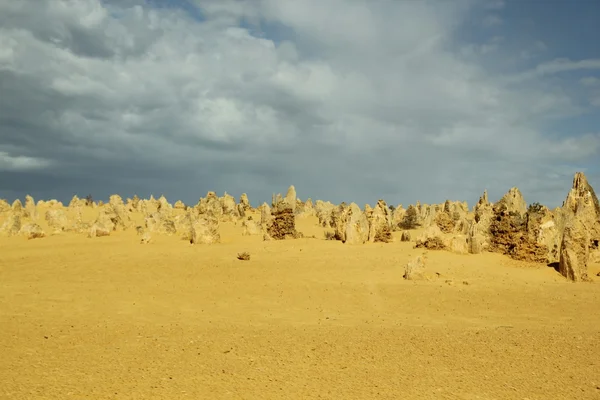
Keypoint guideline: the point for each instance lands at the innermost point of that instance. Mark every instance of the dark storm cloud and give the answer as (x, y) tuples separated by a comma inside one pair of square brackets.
[(133, 97)]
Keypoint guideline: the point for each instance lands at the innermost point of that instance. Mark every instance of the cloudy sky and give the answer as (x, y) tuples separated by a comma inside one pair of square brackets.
[(349, 100)]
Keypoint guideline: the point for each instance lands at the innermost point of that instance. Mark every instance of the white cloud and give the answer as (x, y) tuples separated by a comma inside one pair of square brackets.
[(492, 20), (564, 64), (21, 163), (590, 81), (364, 99)]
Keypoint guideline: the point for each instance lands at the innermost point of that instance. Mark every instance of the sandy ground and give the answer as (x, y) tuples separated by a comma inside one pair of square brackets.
[(108, 318)]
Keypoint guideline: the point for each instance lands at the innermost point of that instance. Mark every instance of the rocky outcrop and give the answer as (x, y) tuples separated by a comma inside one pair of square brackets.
[(581, 189), (32, 231), (229, 206), (4, 206), (426, 214), (245, 203), (405, 236), (380, 222), (251, 228), (307, 208), (183, 223), (30, 209), (398, 218), (160, 223), (483, 215), (350, 224), (445, 222), (290, 201), (575, 250), (434, 239), (57, 220), (205, 230), (431, 239), (509, 233), (283, 223), (17, 206), (545, 227), (291, 198), (513, 202), (241, 211), (116, 211), (581, 213), (265, 214), (323, 211), (477, 241), (113, 216), (211, 204), (458, 244), (453, 217), (76, 202), (415, 269), (135, 203), (13, 222), (99, 229), (163, 206)]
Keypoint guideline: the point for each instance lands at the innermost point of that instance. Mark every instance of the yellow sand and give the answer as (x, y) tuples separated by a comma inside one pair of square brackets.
[(108, 318)]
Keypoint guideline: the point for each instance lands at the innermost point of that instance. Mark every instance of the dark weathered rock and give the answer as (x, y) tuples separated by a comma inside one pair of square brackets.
[(283, 224)]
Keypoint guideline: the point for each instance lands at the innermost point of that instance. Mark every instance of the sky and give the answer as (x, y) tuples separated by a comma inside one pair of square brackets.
[(348, 100)]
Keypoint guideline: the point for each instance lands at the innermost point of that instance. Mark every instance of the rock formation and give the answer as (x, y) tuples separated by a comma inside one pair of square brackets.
[(159, 222), (569, 235), (32, 231), (350, 224), (405, 236), (431, 239), (250, 227), (205, 230), (415, 269), (229, 207), (30, 210), (17, 206), (398, 217), (575, 250), (13, 222), (508, 230), (211, 204), (283, 222), (323, 211), (290, 198), (265, 214), (57, 220), (380, 222), (4, 206), (98, 229), (163, 206), (245, 203), (581, 213)]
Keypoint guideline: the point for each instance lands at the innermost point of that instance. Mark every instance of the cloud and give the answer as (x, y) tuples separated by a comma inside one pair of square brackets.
[(21, 163), (590, 81), (492, 20), (359, 101), (564, 64), (495, 5)]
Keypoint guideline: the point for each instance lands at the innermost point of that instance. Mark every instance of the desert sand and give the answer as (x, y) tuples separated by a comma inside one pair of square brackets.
[(109, 318)]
